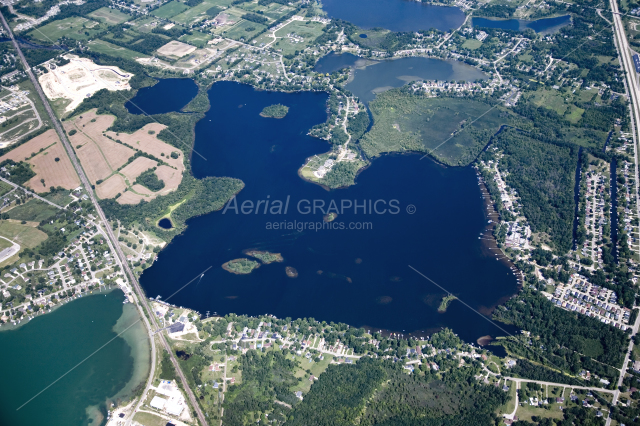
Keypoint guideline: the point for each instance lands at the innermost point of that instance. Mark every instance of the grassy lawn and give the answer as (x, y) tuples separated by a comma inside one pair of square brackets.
[(4, 244), (197, 39), (170, 9), (511, 404), (244, 29), (551, 99), (586, 95), (25, 235), (148, 419), (33, 210), (472, 44), (109, 16), (59, 198), (575, 114), (318, 368), (75, 27), (525, 412), (4, 188), (101, 46), (525, 57)]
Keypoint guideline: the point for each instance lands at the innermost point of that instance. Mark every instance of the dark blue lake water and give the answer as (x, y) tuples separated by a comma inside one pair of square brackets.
[(334, 62), (545, 26), (394, 15), (386, 75), (170, 94), (360, 277)]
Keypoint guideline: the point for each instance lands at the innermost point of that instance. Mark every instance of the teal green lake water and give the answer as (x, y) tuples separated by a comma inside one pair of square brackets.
[(39, 352)]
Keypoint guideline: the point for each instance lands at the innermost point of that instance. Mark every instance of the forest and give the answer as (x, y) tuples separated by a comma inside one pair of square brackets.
[(149, 179), (570, 340), (265, 378), (345, 393), (543, 175)]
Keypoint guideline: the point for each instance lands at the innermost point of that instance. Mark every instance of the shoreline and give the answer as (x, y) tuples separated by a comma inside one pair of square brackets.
[(9, 326)]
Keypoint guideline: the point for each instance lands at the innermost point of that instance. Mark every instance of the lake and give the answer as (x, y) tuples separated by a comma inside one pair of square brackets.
[(371, 77), (386, 75), (357, 276), (544, 26), (394, 15), (170, 94), (39, 352)]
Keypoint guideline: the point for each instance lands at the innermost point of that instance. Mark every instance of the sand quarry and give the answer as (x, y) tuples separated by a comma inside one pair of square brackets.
[(106, 162), (41, 152), (81, 78)]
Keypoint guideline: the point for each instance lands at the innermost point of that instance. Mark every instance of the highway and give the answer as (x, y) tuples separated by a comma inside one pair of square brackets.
[(634, 99), (141, 301)]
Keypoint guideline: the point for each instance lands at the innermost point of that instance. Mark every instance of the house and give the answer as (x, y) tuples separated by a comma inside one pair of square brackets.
[(299, 395)]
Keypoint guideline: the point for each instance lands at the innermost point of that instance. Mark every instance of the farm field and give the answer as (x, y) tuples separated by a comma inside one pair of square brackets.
[(197, 39), (194, 14), (102, 46), (48, 160), (106, 162), (109, 16), (111, 187), (244, 30), (54, 168), (169, 10), (74, 27), (136, 167)]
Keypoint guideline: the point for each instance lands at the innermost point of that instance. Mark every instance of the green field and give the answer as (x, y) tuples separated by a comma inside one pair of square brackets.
[(33, 211), (197, 39), (101, 46), (551, 99), (244, 29), (143, 25), (75, 27), (472, 44), (574, 114), (170, 9), (4, 188), (109, 16), (148, 419), (446, 128), (309, 31), (60, 198), (25, 235), (193, 14)]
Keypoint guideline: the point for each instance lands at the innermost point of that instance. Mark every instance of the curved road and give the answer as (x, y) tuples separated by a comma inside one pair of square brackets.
[(142, 304)]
